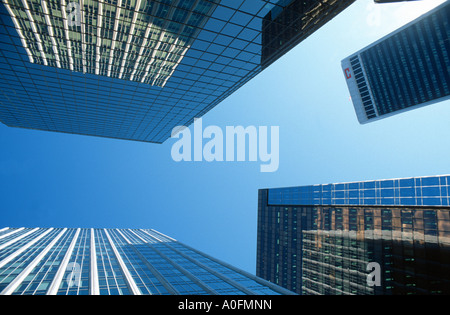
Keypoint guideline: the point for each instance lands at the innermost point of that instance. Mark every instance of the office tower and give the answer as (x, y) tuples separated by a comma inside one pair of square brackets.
[(328, 239), (292, 21), (135, 69), (404, 70), (61, 261)]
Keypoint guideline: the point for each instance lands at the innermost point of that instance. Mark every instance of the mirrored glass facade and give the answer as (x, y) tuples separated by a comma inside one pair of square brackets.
[(407, 69), (135, 69), (419, 191), (61, 261), (313, 248)]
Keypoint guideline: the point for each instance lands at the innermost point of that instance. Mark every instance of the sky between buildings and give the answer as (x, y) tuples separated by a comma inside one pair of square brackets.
[(59, 180)]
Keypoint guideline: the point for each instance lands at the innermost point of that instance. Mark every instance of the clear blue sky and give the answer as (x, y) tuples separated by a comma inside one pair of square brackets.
[(60, 180)]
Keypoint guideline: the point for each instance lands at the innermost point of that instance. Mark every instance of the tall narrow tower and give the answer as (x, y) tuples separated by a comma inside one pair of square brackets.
[(405, 70)]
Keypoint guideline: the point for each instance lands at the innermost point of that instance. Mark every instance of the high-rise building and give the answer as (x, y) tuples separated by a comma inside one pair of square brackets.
[(404, 70), (328, 239), (71, 261), (135, 69), (291, 21)]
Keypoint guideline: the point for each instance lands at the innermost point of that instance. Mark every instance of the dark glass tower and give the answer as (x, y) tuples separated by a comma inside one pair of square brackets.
[(321, 239), (57, 261), (407, 69), (291, 21), (135, 69)]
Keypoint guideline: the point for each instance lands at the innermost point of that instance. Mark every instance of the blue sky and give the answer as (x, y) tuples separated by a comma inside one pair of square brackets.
[(60, 180)]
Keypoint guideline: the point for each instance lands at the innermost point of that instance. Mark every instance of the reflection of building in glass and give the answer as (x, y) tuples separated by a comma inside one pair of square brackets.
[(319, 239), (407, 69), (129, 69), (137, 40), (114, 261), (334, 263), (291, 21)]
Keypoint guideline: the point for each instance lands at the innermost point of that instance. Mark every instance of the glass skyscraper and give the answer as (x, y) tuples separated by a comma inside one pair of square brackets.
[(71, 261), (135, 69), (136, 40), (322, 239), (406, 69)]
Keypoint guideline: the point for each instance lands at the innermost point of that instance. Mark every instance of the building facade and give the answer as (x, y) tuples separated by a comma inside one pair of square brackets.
[(325, 239), (142, 41), (135, 69), (71, 261), (291, 21), (405, 70)]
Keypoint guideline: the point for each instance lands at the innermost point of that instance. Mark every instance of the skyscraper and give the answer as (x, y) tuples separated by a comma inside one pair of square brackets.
[(135, 69), (324, 239), (61, 261), (291, 21), (405, 70)]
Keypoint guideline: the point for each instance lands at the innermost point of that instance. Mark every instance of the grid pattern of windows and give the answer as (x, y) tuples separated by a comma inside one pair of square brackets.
[(79, 263), (364, 92), (18, 241), (195, 53), (110, 276), (39, 279), (117, 262), (5, 232), (325, 249), (145, 280), (7, 235), (10, 269), (162, 259), (419, 191), (334, 263), (406, 68), (133, 40)]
